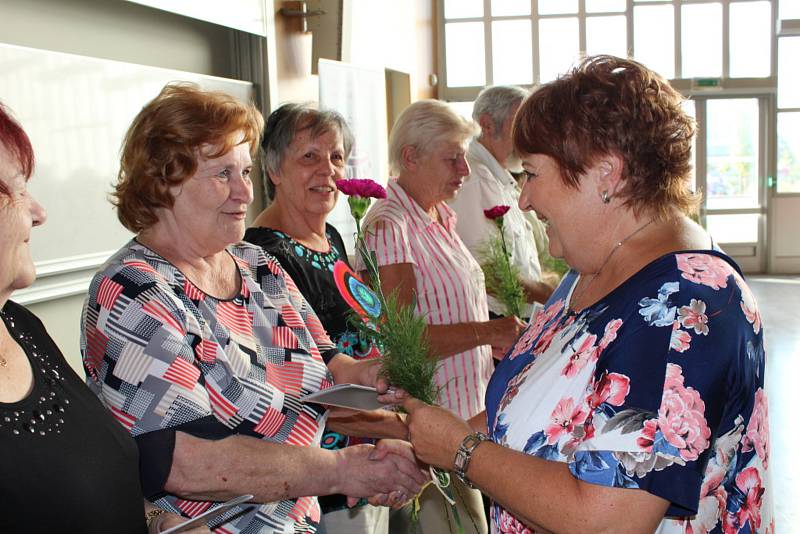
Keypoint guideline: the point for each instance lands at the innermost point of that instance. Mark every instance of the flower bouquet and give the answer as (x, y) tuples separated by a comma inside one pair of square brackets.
[(395, 328), (502, 276), (399, 333)]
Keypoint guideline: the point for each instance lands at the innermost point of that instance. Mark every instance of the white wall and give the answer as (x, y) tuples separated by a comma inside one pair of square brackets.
[(113, 29), (117, 30)]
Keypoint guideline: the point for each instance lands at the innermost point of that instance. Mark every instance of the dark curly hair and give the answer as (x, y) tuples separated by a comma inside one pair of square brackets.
[(611, 105)]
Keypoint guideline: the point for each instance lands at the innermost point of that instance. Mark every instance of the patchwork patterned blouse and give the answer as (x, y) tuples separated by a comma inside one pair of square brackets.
[(659, 386), (164, 356)]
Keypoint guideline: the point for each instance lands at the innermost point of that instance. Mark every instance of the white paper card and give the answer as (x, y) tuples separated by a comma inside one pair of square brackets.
[(351, 396), (208, 515)]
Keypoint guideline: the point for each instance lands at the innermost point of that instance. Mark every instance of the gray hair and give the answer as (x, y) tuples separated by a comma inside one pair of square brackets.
[(286, 122), (421, 125), (497, 102)]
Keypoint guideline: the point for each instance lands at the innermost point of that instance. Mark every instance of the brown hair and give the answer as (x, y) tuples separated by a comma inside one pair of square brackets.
[(17, 143), (160, 149), (611, 105)]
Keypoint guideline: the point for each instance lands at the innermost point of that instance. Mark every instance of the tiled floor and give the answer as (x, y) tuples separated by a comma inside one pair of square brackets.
[(779, 301)]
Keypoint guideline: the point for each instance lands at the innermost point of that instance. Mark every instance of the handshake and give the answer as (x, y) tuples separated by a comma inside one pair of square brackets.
[(386, 474)]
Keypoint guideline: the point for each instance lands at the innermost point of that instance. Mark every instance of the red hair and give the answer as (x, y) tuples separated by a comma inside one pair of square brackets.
[(160, 149), (18, 144), (612, 105)]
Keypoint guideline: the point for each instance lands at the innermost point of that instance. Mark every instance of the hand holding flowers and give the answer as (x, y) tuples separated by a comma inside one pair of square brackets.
[(502, 277)]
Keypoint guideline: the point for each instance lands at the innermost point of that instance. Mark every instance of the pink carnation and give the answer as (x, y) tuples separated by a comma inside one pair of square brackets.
[(496, 212), (361, 188), (681, 417)]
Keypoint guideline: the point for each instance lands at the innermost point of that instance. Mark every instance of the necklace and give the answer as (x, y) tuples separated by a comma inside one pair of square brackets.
[(3, 361), (576, 298)]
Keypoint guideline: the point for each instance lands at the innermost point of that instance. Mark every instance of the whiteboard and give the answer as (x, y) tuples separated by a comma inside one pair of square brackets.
[(76, 111)]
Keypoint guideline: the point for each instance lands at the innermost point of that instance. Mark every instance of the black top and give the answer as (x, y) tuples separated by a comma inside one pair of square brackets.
[(65, 464), (312, 272)]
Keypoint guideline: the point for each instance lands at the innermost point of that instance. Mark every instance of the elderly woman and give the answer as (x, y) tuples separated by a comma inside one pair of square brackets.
[(490, 184), (51, 426), (203, 348), (305, 153), (635, 401), (421, 257)]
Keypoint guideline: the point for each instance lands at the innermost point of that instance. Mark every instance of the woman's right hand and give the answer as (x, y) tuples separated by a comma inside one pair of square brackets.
[(366, 471), (501, 333)]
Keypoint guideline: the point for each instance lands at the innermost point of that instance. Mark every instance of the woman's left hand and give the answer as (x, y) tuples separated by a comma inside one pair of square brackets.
[(169, 520), (435, 433)]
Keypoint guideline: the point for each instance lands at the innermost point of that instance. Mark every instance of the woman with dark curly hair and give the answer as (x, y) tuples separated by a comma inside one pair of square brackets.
[(634, 402)]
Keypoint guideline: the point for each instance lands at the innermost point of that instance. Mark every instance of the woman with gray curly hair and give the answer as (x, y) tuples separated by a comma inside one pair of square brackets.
[(305, 152)]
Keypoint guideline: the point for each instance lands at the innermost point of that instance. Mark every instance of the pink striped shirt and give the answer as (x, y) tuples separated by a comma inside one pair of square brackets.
[(450, 286)]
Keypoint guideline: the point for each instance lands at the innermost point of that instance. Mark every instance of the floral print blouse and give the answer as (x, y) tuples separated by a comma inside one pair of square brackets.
[(658, 386)]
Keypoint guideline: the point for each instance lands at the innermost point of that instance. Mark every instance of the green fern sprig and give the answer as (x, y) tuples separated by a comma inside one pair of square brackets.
[(502, 276)]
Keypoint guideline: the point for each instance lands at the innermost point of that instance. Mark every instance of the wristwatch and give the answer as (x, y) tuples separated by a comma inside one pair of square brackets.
[(464, 454)]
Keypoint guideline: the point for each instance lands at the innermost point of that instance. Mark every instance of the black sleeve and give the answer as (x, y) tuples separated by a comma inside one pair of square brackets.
[(156, 450)]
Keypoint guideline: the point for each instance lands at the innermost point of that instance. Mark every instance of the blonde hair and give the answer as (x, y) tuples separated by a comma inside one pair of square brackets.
[(423, 124)]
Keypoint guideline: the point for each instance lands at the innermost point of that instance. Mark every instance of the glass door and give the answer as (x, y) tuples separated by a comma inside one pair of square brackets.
[(730, 171)]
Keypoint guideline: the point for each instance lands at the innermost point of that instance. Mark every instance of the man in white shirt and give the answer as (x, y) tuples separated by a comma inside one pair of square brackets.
[(490, 184)]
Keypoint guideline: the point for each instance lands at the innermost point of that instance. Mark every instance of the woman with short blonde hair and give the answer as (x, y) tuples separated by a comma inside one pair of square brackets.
[(422, 258)]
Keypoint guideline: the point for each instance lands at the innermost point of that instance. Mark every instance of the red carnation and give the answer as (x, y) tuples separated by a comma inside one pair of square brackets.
[(496, 212), (361, 188)]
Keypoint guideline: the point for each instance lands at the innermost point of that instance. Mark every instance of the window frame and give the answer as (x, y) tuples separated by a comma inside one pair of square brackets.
[(686, 85)]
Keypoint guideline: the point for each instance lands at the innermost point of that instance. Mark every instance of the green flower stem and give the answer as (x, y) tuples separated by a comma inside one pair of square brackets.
[(515, 305)]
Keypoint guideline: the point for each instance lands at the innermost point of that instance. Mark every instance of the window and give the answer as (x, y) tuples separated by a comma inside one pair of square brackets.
[(788, 167), (525, 42)]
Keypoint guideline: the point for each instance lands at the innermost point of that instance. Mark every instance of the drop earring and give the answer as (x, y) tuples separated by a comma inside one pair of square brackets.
[(604, 197)]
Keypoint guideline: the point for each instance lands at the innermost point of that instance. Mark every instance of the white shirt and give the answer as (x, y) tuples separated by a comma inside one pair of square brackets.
[(450, 287), (489, 185)]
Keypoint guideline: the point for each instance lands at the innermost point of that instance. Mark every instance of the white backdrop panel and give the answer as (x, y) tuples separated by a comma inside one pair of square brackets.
[(76, 110)]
